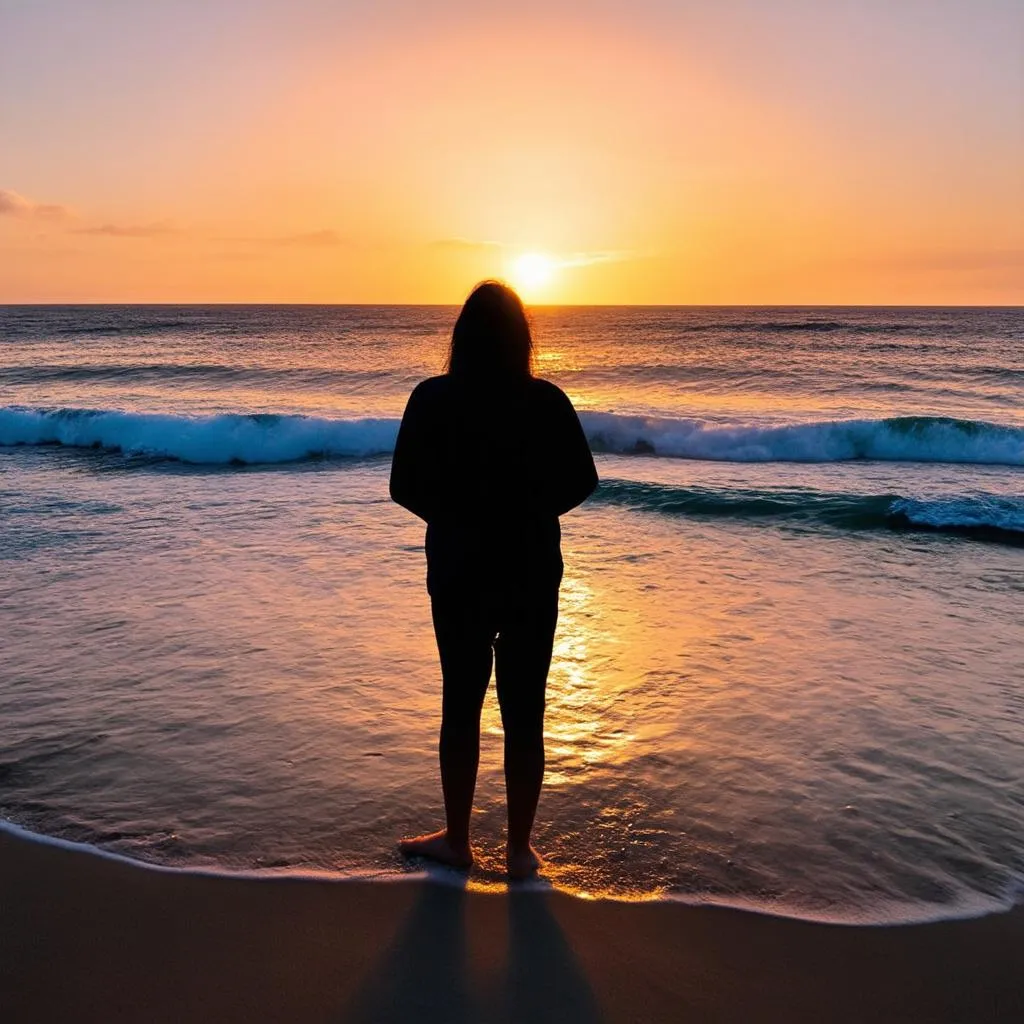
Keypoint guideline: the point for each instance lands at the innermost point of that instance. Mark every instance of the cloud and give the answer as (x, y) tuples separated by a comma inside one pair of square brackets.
[(464, 244), (996, 259), (573, 259), (14, 205), (954, 261), (311, 239), (306, 239), (127, 230), (586, 259)]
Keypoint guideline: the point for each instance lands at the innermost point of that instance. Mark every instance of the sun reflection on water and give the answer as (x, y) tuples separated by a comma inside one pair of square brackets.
[(577, 732)]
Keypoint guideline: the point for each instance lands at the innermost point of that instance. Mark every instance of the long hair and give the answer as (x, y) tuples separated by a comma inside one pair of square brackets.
[(491, 338)]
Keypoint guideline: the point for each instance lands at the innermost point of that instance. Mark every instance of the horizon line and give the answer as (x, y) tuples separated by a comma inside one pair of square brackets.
[(552, 305)]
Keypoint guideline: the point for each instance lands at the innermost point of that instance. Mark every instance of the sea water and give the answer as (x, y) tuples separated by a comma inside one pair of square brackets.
[(789, 668)]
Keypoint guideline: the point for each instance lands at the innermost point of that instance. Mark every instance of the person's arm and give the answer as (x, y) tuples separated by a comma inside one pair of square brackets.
[(410, 484), (573, 473)]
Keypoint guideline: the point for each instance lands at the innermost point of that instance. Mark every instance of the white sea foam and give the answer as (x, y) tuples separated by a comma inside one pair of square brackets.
[(271, 438), (205, 440), (968, 906), (898, 439), (967, 513)]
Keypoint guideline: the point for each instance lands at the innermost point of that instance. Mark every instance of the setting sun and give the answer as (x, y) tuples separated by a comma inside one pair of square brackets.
[(531, 272)]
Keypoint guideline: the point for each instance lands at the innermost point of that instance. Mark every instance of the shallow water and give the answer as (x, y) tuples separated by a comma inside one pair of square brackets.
[(773, 684)]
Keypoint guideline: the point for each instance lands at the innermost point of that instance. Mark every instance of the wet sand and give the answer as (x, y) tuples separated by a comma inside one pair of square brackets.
[(88, 938)]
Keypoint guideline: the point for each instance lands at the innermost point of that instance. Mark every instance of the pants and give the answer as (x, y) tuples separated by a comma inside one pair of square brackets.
[(515, 631)]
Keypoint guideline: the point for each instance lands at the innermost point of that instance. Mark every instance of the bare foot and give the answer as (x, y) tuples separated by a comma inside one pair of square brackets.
[(437, 847), (523, 863)]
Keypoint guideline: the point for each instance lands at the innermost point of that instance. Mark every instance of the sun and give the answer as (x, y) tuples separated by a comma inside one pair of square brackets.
[(532, 272)]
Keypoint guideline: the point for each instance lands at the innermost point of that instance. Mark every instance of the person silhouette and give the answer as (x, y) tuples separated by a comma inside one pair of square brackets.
[(489, 456)]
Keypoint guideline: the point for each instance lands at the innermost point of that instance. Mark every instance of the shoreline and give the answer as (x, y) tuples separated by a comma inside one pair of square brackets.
[(497, 885), (91, 936)]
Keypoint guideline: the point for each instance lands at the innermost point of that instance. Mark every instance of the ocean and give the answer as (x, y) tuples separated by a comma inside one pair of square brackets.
[(789, 669)]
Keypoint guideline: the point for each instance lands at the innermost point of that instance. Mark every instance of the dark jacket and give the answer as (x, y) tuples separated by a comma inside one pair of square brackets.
[(490, 468)]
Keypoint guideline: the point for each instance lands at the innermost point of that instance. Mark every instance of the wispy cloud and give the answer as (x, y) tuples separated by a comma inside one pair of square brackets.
[(311, 239), (572, 259), (12, 204), (324, 238), (993, 259), (464, 244), (951, 260), (586, 259), (127, 230)]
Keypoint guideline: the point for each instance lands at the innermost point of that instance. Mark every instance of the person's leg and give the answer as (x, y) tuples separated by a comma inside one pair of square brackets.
[(464, 638), (523, 657)]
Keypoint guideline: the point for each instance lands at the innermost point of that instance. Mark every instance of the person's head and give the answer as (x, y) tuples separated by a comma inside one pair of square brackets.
[(491, 338)]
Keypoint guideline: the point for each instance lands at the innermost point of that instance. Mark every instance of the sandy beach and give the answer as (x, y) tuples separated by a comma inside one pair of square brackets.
[(89, 938)]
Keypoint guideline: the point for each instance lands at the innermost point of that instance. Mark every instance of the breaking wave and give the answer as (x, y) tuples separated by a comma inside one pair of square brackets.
[(205, 440), (895, 439), (989, 517), (271, 438)]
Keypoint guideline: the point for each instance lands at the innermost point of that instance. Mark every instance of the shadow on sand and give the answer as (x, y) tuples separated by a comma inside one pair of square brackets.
[(434, 972)]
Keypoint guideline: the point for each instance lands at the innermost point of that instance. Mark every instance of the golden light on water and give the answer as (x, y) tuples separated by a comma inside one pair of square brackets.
[(576, 730), (593, 670)]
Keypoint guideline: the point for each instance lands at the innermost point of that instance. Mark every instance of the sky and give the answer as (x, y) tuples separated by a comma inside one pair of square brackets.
[(719, 152)]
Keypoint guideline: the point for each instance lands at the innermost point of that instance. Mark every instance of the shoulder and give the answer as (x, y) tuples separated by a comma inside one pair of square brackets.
[(433, 385), (550, 394), (430, 390), (545, 388)]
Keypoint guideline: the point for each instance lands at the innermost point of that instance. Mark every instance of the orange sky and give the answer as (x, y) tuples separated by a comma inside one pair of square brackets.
[(651, 152)]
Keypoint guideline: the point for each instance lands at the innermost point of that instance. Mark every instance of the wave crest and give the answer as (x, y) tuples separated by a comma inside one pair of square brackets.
[(204, 440), (896, 439), (271, 438), (989, 517)]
